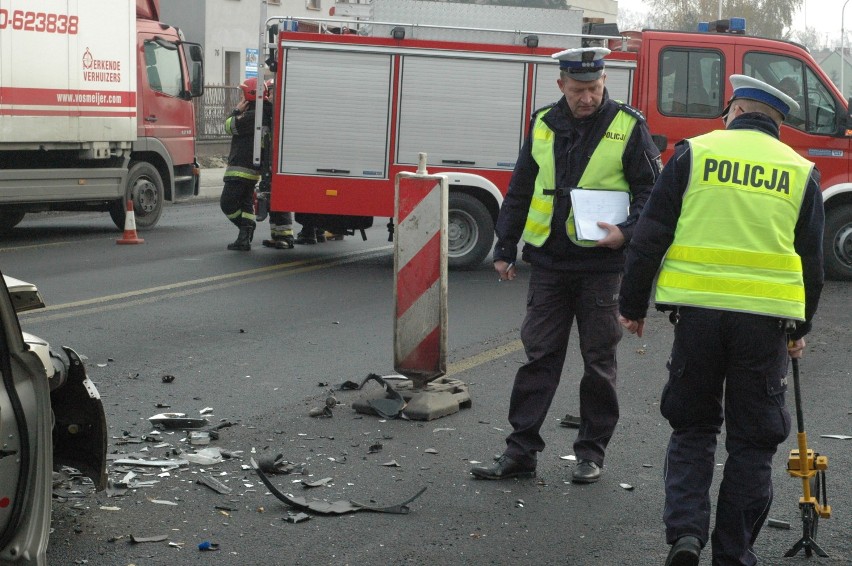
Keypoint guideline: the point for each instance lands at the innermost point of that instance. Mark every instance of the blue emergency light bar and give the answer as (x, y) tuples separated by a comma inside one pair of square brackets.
[(733, 25)]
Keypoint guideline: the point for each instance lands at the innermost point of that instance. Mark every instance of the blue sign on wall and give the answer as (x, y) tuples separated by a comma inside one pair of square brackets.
[(251, 62)]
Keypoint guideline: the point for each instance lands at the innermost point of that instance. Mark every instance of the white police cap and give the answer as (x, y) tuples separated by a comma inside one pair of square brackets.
[(751, 88), (582, 63)]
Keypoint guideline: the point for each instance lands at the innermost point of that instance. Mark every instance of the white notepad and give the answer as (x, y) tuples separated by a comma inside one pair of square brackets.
[(593, 206)]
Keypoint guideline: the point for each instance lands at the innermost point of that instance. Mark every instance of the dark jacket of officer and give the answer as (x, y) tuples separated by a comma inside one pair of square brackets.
[(653, 238), (575, 142)]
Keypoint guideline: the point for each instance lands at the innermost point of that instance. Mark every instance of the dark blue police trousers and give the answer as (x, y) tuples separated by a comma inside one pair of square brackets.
[(554, 300), (725, 367)]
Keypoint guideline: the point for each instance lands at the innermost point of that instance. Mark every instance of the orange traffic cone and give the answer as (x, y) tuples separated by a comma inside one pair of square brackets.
[(130, 236)]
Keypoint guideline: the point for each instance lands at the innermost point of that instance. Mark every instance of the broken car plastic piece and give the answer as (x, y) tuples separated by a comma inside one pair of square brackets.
[(171, 464), (205, 457), (177, 420), (392, 405), (320, 412), (214, 484), (570, 421), (296, 517), (278, 465), (336, 508), (197, 438), (778, 524), (156, 538), (317, 483)]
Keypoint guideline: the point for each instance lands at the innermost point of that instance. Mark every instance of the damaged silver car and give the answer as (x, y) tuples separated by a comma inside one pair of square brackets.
[(51, 416)]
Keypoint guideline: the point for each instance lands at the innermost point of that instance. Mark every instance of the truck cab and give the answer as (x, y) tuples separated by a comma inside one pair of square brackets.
[(683, 88), (163, 165)]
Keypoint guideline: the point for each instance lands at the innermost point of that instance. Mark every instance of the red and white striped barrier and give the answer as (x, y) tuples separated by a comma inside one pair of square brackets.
[(420, 275)]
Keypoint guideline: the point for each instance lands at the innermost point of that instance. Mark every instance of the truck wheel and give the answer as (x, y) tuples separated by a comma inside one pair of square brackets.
[(145, 189), (470, 231), (837, 243), (9, 218)]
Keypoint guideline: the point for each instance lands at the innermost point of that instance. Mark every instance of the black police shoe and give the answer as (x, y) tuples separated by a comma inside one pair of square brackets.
[(586, 471), (685, 552), (504, 468)]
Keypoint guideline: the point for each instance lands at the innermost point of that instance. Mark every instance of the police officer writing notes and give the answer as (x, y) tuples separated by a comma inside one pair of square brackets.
[(237, 200), (589, 141), (736, 219)]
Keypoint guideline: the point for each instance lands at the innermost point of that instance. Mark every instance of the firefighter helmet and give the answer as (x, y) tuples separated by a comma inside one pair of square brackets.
[(249, 88)]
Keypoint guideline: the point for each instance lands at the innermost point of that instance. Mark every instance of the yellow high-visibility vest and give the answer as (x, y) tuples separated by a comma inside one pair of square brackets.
[(604, 171), (733, 245)]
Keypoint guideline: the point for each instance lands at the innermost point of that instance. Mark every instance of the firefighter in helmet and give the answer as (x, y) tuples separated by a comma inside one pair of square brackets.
[(241, 175)]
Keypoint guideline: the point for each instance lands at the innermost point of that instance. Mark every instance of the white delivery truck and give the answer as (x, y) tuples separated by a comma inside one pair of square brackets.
[(95, 109)]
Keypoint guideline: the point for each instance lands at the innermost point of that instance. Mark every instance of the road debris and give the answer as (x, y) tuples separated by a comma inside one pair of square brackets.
[(199, 438), (316, 483), (206, 456), (278, 465), (570, 421), (156, 538), (177, 421), (335, 508), (778, 524), (626, 486), (296, 517), (168, 464), (388, 407), (214, 484), (207, 545)]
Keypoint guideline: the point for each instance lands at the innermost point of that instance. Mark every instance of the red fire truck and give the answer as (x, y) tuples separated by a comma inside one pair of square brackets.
[(353, 110)]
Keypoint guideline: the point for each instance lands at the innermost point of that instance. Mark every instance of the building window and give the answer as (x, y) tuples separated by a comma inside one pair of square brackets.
[(313, 4)]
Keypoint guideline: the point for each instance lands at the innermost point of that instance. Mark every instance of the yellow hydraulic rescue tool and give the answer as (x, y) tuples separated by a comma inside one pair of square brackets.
[(810, 467)]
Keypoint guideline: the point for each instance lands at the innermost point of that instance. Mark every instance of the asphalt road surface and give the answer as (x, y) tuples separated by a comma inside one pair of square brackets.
[(264, 337)]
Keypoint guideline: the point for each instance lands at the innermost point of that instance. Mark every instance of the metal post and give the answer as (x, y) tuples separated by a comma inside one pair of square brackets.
[(258, 105), (842, 56)]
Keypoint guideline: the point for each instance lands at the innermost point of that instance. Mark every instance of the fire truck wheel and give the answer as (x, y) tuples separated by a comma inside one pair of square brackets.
[(9, 218), (145, 189), (837, 244), (470, 231)]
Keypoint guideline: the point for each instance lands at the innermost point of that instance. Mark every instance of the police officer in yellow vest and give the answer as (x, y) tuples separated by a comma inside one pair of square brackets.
[(736, 219), (589, 141)]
